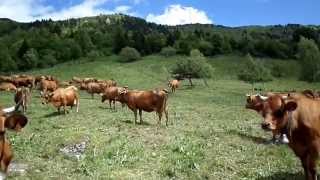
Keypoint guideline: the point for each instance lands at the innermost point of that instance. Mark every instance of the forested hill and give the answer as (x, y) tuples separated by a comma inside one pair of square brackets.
[(45, 43)]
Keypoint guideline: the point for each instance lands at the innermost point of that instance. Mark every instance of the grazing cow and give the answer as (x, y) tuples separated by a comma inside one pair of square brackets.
[(62, 97), (148, 101), (48, 85), (256, 103), (76, 80), (10, 120), (22, 97), (5, 86), (300, 116), (111, 94), (94, 88), (174, 84), (23, 81)]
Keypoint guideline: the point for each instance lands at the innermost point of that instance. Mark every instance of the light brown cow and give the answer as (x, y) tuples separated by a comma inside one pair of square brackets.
[(148, 101), (10, 120), (174, 84), (5, 86), (300, 116), (111, 94), (22, 96), (62, 97), (48, 85), (94, 88), (5, 79)]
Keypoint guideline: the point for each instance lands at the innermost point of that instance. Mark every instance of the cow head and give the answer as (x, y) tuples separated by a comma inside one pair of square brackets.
[(46, 97), (276, 112), (255, 102)]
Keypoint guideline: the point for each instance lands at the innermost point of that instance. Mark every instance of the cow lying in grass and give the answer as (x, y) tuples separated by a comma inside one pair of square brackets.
[(62, 97), (148, 101), (9, 119)]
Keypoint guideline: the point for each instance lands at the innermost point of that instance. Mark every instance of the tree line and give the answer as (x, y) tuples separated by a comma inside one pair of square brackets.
[(44, 43)]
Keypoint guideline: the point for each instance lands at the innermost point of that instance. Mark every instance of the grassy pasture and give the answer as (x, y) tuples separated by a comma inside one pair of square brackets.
[(210, 134)]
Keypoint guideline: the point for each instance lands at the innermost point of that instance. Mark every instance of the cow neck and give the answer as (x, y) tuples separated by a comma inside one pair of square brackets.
[(290, 125)]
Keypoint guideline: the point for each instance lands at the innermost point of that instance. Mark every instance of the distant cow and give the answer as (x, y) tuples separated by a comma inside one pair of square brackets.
[(76, 80), (22, 97), (23, 81), (48, 85), (6, 86), (9, 120), (88, 80), (148, 101), (300, 116), (62, 97), (174, 84), (94, 88), (5, 79), (111, 94)]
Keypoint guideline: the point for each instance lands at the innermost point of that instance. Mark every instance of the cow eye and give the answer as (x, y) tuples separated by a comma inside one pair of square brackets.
[(278, 113)]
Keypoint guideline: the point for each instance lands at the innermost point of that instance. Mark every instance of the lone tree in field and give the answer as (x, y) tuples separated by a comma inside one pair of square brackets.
[(309, 56), (192, 67), (129, 54), (254, 72)]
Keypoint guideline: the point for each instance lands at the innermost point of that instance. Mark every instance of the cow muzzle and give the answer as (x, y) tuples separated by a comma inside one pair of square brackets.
[(266, 126)]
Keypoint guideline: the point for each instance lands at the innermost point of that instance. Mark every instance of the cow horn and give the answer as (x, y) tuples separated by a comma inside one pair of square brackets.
[(263, 97)]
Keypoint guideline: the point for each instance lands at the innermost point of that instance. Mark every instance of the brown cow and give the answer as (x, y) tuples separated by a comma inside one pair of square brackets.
[(22, 97), (256, 103), (48, 85), (94, 88), (23, 81), (10, 120), (62, 97), (300, 116), (174, 84), (111, 94), (6, 86), (147, 101)]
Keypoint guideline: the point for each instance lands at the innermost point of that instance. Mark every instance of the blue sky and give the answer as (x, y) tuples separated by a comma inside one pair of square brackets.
[(223, 12)]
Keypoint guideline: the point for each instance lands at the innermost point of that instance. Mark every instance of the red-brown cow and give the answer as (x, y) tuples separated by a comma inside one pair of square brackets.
[(10, 120), (111, 94), (23, 81), (48, 85), (300, 116), (62, 97), (94, 88), (148, 101)]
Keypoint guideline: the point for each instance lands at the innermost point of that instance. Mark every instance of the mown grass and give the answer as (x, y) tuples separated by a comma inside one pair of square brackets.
[(210, 134)]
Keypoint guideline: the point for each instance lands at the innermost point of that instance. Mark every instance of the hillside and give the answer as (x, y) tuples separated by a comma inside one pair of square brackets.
[(210, 134), (45, 43)]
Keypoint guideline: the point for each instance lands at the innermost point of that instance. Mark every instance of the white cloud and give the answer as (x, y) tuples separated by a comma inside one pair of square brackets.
[(177, 14), (30, 10)]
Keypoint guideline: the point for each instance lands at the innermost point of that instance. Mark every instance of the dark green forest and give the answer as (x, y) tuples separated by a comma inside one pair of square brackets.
[(44, 43)]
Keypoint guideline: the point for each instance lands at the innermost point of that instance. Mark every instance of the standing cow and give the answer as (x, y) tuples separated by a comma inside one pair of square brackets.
[(22, 97), (174, 84), (112, 94), (148, 101)]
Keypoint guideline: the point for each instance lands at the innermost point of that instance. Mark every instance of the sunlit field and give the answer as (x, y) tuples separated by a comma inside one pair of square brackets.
[(210, 134)]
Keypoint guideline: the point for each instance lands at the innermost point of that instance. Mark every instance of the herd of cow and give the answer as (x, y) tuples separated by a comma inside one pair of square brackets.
[(63, 94), (292, 116)]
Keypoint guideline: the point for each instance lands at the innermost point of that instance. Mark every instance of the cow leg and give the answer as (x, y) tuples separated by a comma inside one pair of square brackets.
[(167, 116), (135, 116), (92, 96), (65, 109), (114, 104), (110, 103), (59, 110), (160, 117), (140, 114)]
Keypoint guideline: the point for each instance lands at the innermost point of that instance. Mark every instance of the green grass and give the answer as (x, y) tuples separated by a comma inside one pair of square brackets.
[(210, 135)]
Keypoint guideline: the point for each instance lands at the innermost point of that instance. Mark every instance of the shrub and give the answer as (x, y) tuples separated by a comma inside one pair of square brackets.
[(168, 51), (129, 54), (196, 53)]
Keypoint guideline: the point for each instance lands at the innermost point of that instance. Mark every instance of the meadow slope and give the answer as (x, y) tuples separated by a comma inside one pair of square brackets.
[(210, 134)]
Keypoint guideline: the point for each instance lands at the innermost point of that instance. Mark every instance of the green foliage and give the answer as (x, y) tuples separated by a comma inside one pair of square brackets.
[(129, 54), (7, 64), (30, 59), (309, 56), (195, 53), (254, 71), (168, 51)]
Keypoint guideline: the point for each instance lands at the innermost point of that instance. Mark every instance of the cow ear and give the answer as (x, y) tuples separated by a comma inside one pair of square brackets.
[(16, 122), (290, 106)]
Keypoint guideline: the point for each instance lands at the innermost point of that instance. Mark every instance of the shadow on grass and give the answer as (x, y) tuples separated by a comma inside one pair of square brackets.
[(255, 139), (284, 176), (53, 114), (137, 123)]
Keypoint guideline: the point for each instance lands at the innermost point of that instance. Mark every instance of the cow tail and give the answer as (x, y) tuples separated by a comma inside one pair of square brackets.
[(76, 101)]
